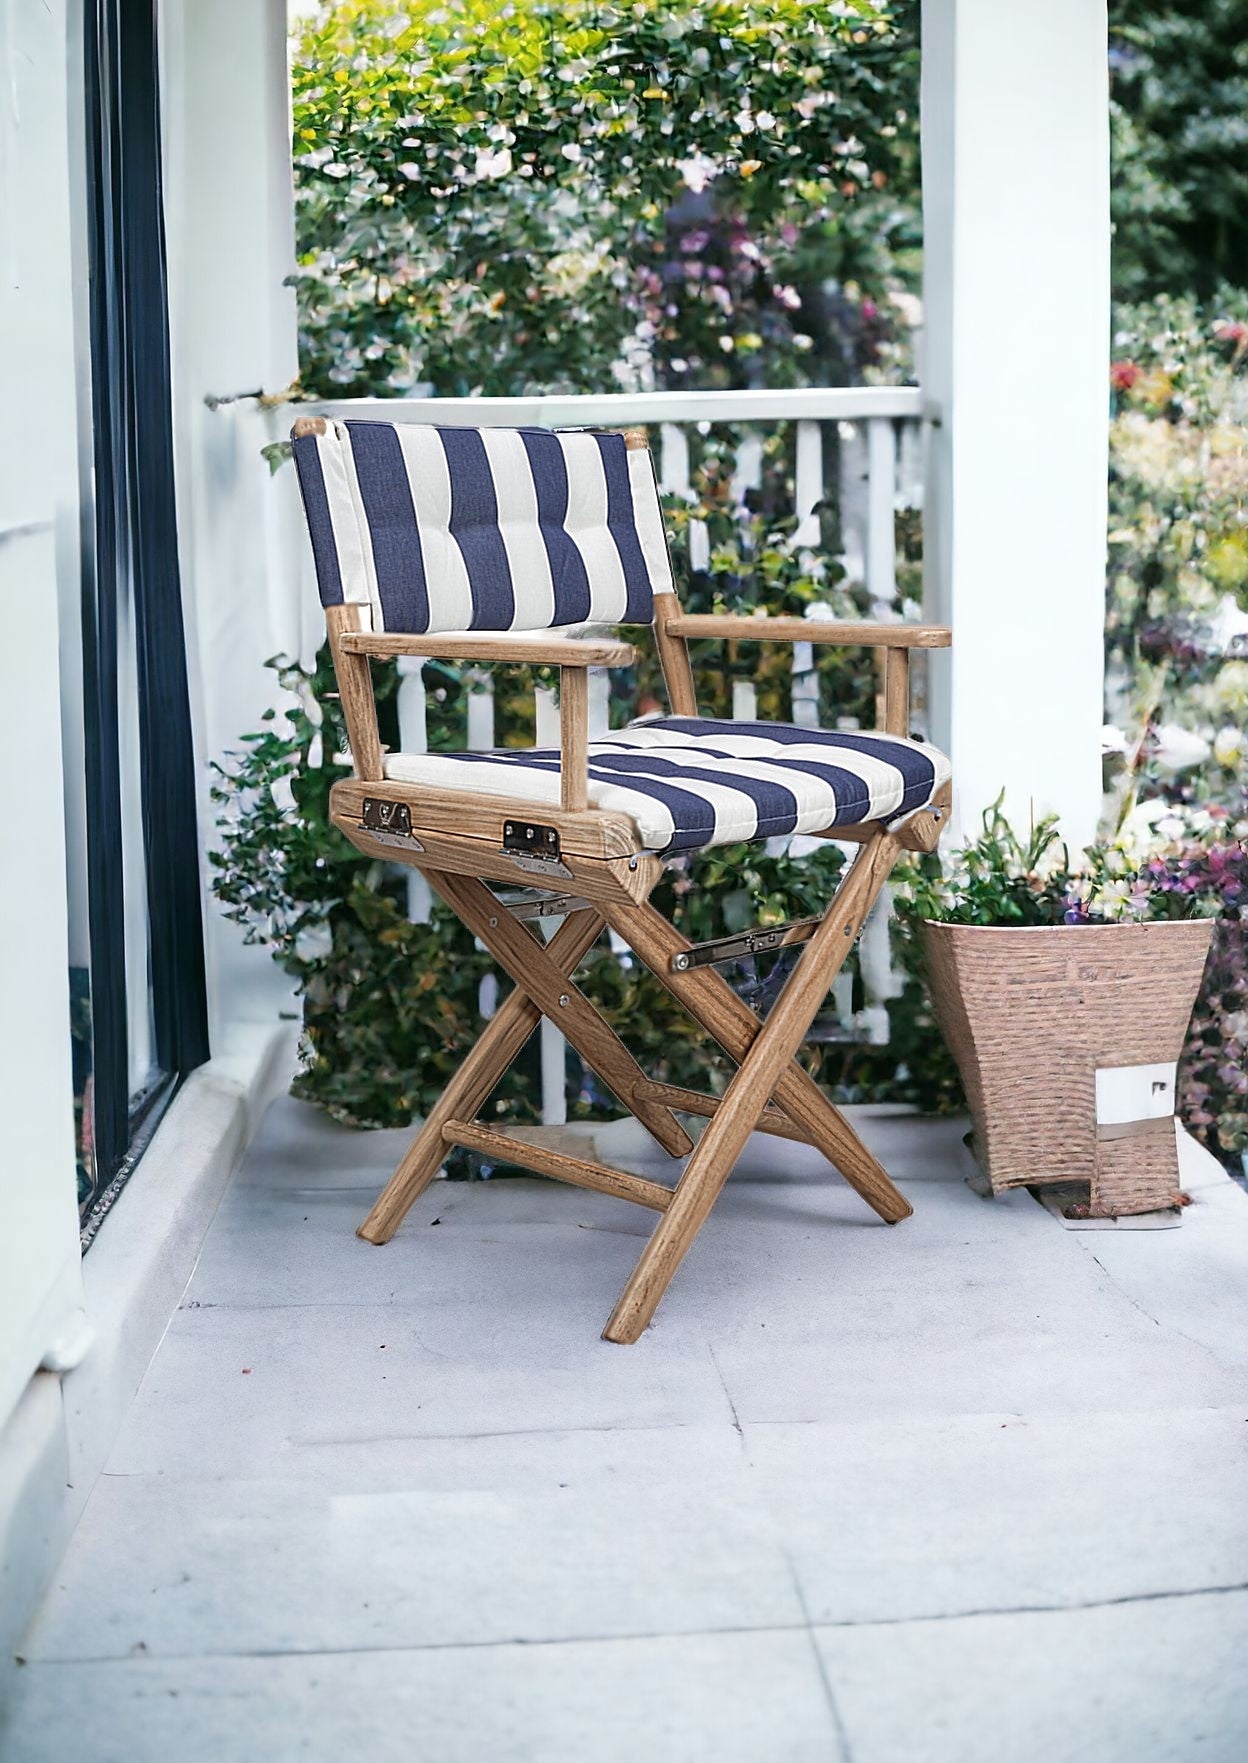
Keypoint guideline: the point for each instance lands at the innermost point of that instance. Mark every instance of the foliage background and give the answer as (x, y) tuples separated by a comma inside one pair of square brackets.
[(566, 197)]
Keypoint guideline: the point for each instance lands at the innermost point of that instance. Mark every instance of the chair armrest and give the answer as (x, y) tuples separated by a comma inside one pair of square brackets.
[(534, 647), (810, 630)]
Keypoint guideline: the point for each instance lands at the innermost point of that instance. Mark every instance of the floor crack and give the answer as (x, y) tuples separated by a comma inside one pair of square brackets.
[(821, 1664), (732, 1406), (1148, 1315)]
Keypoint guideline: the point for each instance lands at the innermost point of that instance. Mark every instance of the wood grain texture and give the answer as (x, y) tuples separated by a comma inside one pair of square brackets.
[(573, 739), (758, 1074), (772, 1119), (525, 958), (711, 1001), (532, 648), (479, 818), (897, 691), (581, 1173), (1029, 1014), (355, 689), (500, 1043), (674, 657), (809, 630)]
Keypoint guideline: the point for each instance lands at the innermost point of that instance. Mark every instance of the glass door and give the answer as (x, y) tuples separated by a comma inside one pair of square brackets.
[(136, 934)]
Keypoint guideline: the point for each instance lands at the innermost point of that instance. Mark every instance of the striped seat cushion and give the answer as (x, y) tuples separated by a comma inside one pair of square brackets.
[(455, 529), (691, 782)]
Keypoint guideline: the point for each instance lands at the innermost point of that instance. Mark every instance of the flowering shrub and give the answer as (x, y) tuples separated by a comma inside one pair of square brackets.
[(565, 196), (1177, 617), (1177, 657)]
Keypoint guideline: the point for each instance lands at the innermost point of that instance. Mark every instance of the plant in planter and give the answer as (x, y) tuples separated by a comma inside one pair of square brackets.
[(1064, 995)]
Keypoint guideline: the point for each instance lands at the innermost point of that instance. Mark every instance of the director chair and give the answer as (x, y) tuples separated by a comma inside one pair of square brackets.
[(477, 545)]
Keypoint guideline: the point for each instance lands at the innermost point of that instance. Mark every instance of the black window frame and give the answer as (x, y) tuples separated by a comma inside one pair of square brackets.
[(132, 549)]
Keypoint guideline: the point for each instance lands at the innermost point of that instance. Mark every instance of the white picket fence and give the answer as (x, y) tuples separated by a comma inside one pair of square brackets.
[(880, 438)]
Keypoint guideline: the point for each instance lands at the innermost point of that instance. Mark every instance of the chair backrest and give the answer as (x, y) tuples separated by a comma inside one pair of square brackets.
[(454, 529)]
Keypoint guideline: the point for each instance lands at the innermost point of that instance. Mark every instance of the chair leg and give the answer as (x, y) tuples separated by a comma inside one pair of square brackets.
[(501, 1040), (772, 1049), (528, 962), (711, 1001)]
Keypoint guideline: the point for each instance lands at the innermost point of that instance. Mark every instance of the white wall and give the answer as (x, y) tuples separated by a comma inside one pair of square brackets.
[(229, 225), (229, 216), (1016, 254), (40, 1277)]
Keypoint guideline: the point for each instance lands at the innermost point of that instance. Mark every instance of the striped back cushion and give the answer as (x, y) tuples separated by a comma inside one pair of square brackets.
[(453, 529)]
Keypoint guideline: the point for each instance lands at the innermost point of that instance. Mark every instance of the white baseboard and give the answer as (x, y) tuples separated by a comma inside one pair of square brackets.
[(59, 1437)]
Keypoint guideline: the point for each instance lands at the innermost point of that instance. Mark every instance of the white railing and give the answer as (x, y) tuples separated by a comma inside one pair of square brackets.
[(879, 444)]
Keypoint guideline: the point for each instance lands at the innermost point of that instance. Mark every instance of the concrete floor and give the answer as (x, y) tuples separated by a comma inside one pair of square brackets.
[(970, 1489)]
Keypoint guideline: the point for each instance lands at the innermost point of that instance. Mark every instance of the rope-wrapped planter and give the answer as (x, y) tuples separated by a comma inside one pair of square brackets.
[(1031, 1015)]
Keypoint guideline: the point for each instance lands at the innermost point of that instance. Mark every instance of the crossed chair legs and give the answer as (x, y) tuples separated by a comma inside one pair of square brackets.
[(770, 1092)]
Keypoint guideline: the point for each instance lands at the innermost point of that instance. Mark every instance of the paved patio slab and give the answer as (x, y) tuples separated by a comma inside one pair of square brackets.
[(969, 1488)]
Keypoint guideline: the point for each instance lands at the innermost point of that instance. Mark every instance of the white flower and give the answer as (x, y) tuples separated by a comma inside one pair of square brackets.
[(1138, 833), (697, 171), (283, 793), (493, 165), (314, 942), (909, 306), (1113, 899), (1228, 747), (765, 120), (1112, 740), (1178, 749), (1228, 623), (571, 150)]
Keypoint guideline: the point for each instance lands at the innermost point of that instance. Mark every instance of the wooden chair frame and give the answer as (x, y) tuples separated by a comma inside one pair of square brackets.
[(459, 839)]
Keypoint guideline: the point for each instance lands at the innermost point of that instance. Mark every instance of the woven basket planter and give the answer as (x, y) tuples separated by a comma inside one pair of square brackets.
[(1032, 1014)]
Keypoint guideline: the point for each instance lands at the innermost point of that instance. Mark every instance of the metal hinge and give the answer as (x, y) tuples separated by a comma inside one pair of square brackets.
[(745, 943), (537, 903), (390, 823), (534, 847)]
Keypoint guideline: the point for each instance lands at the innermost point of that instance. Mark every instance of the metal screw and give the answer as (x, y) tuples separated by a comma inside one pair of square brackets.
[(849, 930), (564, 999), (493, 922), (632, 863), (682, 961)]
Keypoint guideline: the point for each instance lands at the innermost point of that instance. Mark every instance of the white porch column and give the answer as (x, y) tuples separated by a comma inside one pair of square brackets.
[(229, 217), (1015, 140)]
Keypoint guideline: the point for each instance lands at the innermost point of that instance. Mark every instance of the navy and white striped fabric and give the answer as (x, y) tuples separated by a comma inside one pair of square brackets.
[(456, 529), (691, 782)]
